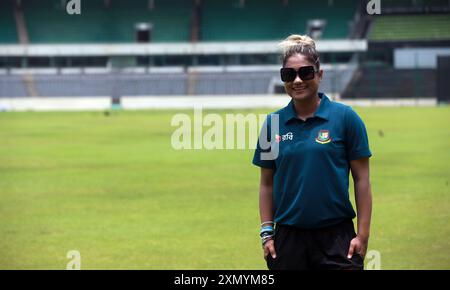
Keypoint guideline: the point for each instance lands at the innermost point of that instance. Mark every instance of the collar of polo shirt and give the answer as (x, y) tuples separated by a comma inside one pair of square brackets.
[(322, 112)]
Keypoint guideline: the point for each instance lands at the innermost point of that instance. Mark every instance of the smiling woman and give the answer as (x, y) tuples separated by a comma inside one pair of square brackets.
[(304, 189), (300, 56)]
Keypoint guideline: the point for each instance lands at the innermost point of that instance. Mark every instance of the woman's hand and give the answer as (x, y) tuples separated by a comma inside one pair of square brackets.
[(269, 248), (358, 245)]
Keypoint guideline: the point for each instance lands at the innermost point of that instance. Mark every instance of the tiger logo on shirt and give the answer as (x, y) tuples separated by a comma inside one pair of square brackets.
[(323, 137)]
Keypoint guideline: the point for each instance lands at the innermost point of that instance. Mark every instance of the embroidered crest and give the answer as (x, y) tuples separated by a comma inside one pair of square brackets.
[(323, 137)]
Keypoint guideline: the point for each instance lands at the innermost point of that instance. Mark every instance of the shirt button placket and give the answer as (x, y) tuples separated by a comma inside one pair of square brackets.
[(302, 129)]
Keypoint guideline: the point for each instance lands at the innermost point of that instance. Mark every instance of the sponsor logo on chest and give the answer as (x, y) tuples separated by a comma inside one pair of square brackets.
[(285, 137)]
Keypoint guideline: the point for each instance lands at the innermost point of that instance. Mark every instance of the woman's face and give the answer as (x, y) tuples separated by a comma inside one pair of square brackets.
[(298, 89)]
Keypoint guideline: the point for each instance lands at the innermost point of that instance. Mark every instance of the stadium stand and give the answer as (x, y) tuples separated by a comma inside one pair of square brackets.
[(7, 23), (254, 21), (421, 24), (47, 21), (387, 82), (12, 86), (142, 84), (414, 6), (411, 27), (230, 65), (114, 21)]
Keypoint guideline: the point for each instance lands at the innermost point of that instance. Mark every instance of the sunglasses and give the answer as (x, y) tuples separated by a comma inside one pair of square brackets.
[(305, 73)]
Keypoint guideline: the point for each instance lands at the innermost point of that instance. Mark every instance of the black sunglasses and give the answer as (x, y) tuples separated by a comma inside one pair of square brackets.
[(305, 73)]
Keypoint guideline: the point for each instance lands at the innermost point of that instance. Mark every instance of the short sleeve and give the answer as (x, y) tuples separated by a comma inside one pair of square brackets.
[(263, 148), (357, 141)]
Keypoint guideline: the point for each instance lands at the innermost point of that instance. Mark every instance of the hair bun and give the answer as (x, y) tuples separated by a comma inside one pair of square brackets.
[(299, 44), (297, 40)]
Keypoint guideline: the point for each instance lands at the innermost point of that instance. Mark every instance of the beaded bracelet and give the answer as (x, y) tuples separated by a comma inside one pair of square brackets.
[(267, 222), (265, 240)]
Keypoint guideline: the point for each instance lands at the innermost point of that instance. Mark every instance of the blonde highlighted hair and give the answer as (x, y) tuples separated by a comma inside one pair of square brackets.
[(301, 44)]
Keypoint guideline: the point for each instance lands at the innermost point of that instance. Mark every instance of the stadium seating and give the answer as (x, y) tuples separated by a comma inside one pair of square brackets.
[(12, 86), (411, 27), (140, 84), (170, 19), (414, 6), (221, 20), (387, 82), (8, 33), (225, 20), (48, 22), (338, 15)]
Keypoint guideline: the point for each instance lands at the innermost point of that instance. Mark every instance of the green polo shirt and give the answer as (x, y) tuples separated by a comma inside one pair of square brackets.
[(312, 163)]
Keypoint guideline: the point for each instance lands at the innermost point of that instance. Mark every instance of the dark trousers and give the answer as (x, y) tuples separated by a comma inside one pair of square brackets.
[(325, 248)]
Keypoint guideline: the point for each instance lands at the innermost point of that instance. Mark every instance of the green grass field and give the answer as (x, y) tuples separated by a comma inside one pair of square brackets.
[(113, 188)]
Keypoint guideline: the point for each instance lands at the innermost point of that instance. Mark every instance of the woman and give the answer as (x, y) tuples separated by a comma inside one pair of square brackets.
[(304, 188)]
